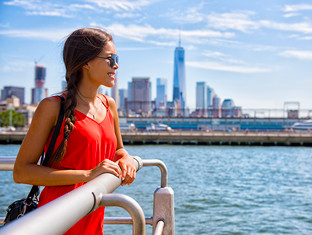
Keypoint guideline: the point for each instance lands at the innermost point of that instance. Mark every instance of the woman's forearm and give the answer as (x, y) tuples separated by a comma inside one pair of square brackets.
[(40, 175)]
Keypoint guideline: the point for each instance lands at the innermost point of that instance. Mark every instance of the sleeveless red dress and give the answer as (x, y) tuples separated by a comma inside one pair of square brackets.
[(88, 144)]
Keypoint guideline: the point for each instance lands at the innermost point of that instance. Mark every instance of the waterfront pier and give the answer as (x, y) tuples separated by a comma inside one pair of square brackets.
[(198, 138), (220, 138)]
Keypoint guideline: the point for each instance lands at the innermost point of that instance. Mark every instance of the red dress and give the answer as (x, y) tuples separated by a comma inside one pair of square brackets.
[(88, 144)]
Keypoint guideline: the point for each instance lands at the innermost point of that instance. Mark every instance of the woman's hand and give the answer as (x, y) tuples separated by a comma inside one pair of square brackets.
[(126, 164), (106, 166)]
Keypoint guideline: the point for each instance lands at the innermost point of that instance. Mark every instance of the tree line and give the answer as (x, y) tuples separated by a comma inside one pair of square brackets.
[(17, 119)]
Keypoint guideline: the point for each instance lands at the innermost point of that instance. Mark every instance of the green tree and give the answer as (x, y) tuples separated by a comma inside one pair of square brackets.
[(18, 120)]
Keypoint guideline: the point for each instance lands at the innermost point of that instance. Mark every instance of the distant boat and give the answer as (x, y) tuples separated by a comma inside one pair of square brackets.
[(304, 126), (158, 127), (127, 127)]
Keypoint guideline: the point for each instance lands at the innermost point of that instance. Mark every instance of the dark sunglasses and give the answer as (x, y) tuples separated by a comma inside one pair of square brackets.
[(113, 59)]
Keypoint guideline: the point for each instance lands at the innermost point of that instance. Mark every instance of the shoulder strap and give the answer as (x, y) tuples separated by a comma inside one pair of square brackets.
[(35, 189), (106, 104), (55, 133)]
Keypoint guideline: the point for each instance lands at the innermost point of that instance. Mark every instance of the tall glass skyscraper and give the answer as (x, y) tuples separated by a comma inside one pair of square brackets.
[(179, 77), (161, 93)]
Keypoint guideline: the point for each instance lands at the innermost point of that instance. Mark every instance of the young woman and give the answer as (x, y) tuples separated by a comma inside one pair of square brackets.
[(89, 143)]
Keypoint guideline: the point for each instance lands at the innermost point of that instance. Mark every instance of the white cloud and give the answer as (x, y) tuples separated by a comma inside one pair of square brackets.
[(139, 33), (226, 67), (82, 6), (127, 15), (239, 21), (299, 37), (290, 15), (297, 7), (302, 27), (192, 15), (302, 55), (121, 5), (221, 57), (37, 7), (16, 66), (144, 33), (55, 35)]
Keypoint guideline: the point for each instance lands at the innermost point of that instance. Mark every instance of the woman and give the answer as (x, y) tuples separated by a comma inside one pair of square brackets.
[(89, 143)]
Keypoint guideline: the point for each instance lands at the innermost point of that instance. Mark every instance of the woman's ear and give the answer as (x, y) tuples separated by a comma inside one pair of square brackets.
[(86, 66)]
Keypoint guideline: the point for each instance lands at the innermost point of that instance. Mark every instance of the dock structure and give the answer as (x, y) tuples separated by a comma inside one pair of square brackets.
[(219, 138), (198, 138)]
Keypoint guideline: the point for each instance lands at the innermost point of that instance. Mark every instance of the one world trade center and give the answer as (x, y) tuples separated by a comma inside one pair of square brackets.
[(179, 79)]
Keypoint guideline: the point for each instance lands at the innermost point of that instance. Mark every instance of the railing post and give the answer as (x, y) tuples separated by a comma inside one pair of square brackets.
[(164, 209)]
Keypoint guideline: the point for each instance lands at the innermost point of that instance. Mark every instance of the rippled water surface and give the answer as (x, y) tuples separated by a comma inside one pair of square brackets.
[(218, 190)]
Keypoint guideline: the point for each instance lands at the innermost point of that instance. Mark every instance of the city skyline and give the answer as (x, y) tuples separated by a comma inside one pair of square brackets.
[(257, 53)]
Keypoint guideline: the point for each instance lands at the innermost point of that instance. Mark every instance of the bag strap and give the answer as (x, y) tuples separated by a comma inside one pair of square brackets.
[(55, 134), (35, 188)]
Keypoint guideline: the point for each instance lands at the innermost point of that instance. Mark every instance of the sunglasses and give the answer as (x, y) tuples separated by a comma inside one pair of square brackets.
[(113, 59)]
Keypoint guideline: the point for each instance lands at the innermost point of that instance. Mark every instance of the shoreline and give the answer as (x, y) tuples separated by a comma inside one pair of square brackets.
[(196, 138)]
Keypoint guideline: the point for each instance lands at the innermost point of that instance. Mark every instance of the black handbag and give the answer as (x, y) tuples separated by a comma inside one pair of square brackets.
[(20, 207)]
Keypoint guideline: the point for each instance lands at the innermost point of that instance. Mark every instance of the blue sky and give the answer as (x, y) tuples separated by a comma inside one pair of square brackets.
[(259, 53)]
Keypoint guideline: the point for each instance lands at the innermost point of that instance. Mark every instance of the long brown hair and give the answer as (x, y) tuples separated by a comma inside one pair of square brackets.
[(80, 47)]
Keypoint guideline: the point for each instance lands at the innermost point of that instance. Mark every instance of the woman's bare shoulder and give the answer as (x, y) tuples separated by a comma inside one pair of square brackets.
[(49, 107), (110, 100)]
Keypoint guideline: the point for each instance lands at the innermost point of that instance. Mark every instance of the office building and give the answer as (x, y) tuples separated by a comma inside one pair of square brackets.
[(140, 101), (210, 94), (216, 109), (39, 92), (123, 95), (179, 90), (9, 91), (129, 91), (201, 95), (161, 93), (227, 108)]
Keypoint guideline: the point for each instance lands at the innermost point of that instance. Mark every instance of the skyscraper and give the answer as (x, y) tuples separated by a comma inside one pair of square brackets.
[(179, 77), (123, 95), (140, 95), (39, 92), (210, 94), (161, 93), (129, 91), (216, 103), (201, 95)]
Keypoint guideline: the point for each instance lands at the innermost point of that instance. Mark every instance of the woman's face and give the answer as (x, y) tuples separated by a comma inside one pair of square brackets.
[(99, 69)]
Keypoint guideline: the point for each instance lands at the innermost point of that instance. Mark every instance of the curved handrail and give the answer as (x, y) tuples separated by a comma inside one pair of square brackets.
[(163, 169), (63, 211), (131, 206)]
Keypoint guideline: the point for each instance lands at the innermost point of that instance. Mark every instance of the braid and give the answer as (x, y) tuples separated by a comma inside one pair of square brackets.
[(70, 119)]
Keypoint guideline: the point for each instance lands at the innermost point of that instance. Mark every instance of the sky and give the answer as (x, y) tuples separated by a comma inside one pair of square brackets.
[(258, 53)]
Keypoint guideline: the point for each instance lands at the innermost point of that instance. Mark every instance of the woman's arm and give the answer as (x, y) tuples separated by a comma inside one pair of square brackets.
[(26, 169), (122, 157)]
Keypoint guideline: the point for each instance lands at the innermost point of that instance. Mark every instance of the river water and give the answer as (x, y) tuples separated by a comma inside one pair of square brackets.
[(217, 189)]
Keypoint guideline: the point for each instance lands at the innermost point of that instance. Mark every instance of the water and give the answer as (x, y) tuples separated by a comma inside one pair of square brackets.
[(218, 190)]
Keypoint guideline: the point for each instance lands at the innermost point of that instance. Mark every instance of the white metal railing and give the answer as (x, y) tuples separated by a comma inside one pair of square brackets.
[(70, 208)]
